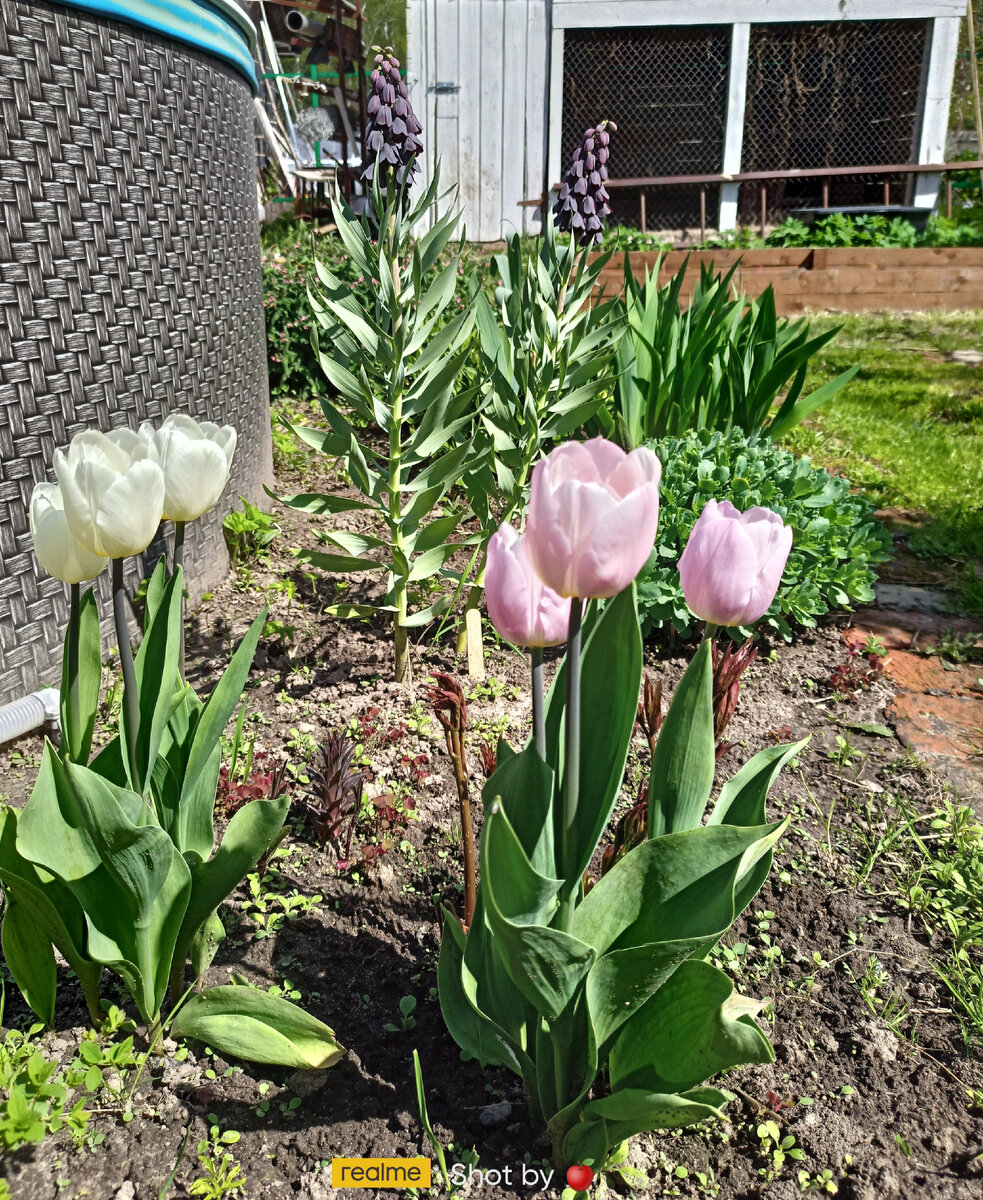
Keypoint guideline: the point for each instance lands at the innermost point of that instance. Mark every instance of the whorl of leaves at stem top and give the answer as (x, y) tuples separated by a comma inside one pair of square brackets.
[(582, 204), (392, 139)]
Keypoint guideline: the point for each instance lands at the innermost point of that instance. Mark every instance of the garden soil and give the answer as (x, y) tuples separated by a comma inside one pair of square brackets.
[(884, 1110)]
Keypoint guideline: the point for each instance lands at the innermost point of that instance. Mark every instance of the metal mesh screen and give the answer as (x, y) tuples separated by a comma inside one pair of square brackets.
[(666, 89), (831, 95), (129, 276)]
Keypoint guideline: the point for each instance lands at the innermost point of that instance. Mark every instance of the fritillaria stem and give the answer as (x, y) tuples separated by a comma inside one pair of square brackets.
[(571, 770), (538, 702), (130, 698), (179, 562)]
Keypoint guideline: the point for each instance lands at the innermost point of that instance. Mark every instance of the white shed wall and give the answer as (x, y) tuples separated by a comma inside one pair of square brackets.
[(486, 79)]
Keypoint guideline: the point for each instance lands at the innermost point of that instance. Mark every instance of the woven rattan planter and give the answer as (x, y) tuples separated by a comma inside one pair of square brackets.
[(129, 267)]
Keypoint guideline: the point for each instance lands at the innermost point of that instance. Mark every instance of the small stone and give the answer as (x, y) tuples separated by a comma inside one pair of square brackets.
[(126, 1192), (969, 358), (495, 1114)]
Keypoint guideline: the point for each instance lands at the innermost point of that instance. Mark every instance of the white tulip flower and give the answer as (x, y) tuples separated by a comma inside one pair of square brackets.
[(196, 458), (113, 492), (57, 550)]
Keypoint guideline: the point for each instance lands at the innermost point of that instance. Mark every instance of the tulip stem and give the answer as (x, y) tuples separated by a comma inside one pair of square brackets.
[(179, 562), (70, 736), (538, 702), (131, 700), (710, 631), (571, 768)]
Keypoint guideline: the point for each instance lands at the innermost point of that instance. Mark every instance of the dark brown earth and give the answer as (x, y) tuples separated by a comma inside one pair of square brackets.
[(904, 1130)]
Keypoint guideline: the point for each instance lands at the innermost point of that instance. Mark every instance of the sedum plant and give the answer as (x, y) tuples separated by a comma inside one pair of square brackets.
[(604, 1002), (114, 860), (837, 544), (394, 361)]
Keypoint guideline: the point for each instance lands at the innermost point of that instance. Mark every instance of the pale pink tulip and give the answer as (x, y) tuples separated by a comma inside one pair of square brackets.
[(593, 516), (521, 607), (733, 563)]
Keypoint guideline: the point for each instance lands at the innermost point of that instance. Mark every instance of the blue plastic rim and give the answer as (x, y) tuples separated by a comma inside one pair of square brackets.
[(218, 27)]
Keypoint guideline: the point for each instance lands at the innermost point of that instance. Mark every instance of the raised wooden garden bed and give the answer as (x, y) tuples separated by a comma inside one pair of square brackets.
[(848, 280)]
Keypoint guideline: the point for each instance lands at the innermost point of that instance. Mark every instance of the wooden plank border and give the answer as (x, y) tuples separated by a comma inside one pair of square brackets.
[(849, 279)]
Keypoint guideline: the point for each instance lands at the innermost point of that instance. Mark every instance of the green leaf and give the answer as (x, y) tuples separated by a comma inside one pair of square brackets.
[(337, 564), (609, 1121), (155, 592), (194, 830), (742, 798), (28, 953), (692, 1029), (76, 739), (205, 944), (684, 758), (256, 1026), (675, 887), (157, 677), (51, 905), (319, 503), (546, 965), (106, 847), (248, 836), (611, 672)]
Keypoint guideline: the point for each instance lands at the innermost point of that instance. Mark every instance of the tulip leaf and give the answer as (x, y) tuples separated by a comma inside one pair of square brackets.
[(694, 1027), (684, 759), (610, 1120), (546, 965), (670, 888), (106, 847), (252, 1024), (471, 1029), (611, 673), (52, 906), (524, 785), (154, 596), (247, 838), (742, 798), (78, 720), (28, 953), (193, 830), (205, 944), (157, 675)]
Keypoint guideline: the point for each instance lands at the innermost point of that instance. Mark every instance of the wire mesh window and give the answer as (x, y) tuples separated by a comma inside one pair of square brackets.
[(831, 95), (666, 89)]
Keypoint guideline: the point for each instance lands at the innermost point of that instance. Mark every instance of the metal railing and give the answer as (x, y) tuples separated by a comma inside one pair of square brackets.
[(825, 174)]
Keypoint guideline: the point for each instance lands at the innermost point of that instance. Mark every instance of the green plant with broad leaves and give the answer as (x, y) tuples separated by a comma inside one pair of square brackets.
[(604, 1002), (837, 544), (546, 363), (718, 364), (114, 862), (394, 361)]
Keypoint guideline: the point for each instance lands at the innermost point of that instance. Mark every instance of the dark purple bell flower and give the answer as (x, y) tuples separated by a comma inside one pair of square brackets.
[(392, 135), (582, 204)]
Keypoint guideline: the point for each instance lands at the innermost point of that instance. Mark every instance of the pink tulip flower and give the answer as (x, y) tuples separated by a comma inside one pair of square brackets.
[(733, 563), (593, 516), (520, 606)]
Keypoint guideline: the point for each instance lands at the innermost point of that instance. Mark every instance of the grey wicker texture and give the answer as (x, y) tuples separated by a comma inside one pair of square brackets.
[(129, 280)]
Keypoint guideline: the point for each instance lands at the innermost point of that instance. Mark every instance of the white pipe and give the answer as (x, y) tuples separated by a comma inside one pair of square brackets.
[(29, 713)]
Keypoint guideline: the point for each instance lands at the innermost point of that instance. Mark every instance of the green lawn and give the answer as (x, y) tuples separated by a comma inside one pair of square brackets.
[(909, 427)]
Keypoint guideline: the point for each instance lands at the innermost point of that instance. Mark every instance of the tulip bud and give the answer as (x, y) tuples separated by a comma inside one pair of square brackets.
[(196, 458), (732, 564), (112, 491), (57, 551), (593, 516), (520, 606)]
